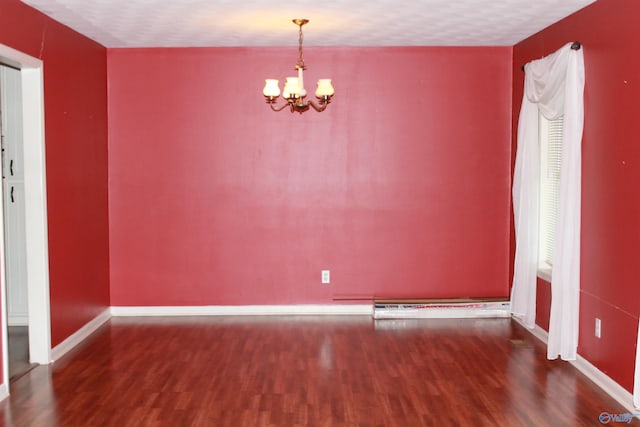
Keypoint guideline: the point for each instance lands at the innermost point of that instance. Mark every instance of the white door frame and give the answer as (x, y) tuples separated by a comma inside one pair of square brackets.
[(31, 71)]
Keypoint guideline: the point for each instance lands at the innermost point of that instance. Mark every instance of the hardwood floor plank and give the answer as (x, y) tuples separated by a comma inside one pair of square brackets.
[(306, 371)]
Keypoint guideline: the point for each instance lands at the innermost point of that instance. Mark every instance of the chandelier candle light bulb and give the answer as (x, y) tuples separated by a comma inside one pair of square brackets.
[(303, 92), (294, 91)]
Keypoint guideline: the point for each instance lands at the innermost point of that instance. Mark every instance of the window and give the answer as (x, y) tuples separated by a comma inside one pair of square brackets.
[(550, 160)]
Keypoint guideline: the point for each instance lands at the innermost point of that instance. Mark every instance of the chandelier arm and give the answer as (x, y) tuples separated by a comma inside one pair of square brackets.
[(280, 107), (319, 108)]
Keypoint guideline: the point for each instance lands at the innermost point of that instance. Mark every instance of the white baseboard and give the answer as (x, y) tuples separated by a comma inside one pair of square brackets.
[(80, 335), (611, 387), (4, 391), (602, 380), (309, 309), (245, 310)]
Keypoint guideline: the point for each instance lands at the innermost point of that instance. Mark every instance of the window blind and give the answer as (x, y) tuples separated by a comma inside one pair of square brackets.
[(551, 159)]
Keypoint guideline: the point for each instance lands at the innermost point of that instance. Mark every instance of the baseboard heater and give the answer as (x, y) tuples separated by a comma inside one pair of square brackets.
[(440, 308)]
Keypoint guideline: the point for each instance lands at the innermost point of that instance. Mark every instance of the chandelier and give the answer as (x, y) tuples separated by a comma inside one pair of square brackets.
[(294, 92)]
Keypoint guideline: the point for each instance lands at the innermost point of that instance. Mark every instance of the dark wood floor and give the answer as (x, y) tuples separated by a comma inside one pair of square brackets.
[(306, 371)]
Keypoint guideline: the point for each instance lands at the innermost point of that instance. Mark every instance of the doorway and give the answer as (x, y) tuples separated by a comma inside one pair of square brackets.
[(35, 215), (15, 270)]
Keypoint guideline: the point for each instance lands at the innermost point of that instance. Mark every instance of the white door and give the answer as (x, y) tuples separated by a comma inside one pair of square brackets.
[(13, 194)]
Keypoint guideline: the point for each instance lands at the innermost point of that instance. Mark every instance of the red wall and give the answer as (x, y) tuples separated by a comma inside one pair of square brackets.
[(400, 188), (610, 177), (76, 162)]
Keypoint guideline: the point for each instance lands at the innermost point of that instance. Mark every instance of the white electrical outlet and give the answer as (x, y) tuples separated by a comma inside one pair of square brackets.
[(598, 328), (326, 277)]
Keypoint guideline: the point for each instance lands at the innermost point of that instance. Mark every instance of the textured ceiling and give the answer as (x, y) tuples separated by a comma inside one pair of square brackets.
[(181, 23)]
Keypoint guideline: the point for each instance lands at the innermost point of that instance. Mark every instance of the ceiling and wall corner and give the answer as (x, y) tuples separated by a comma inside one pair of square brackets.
[(209, 23)]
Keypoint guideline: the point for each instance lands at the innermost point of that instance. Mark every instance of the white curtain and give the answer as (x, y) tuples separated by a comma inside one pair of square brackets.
[(554, 86), (636, 381)]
